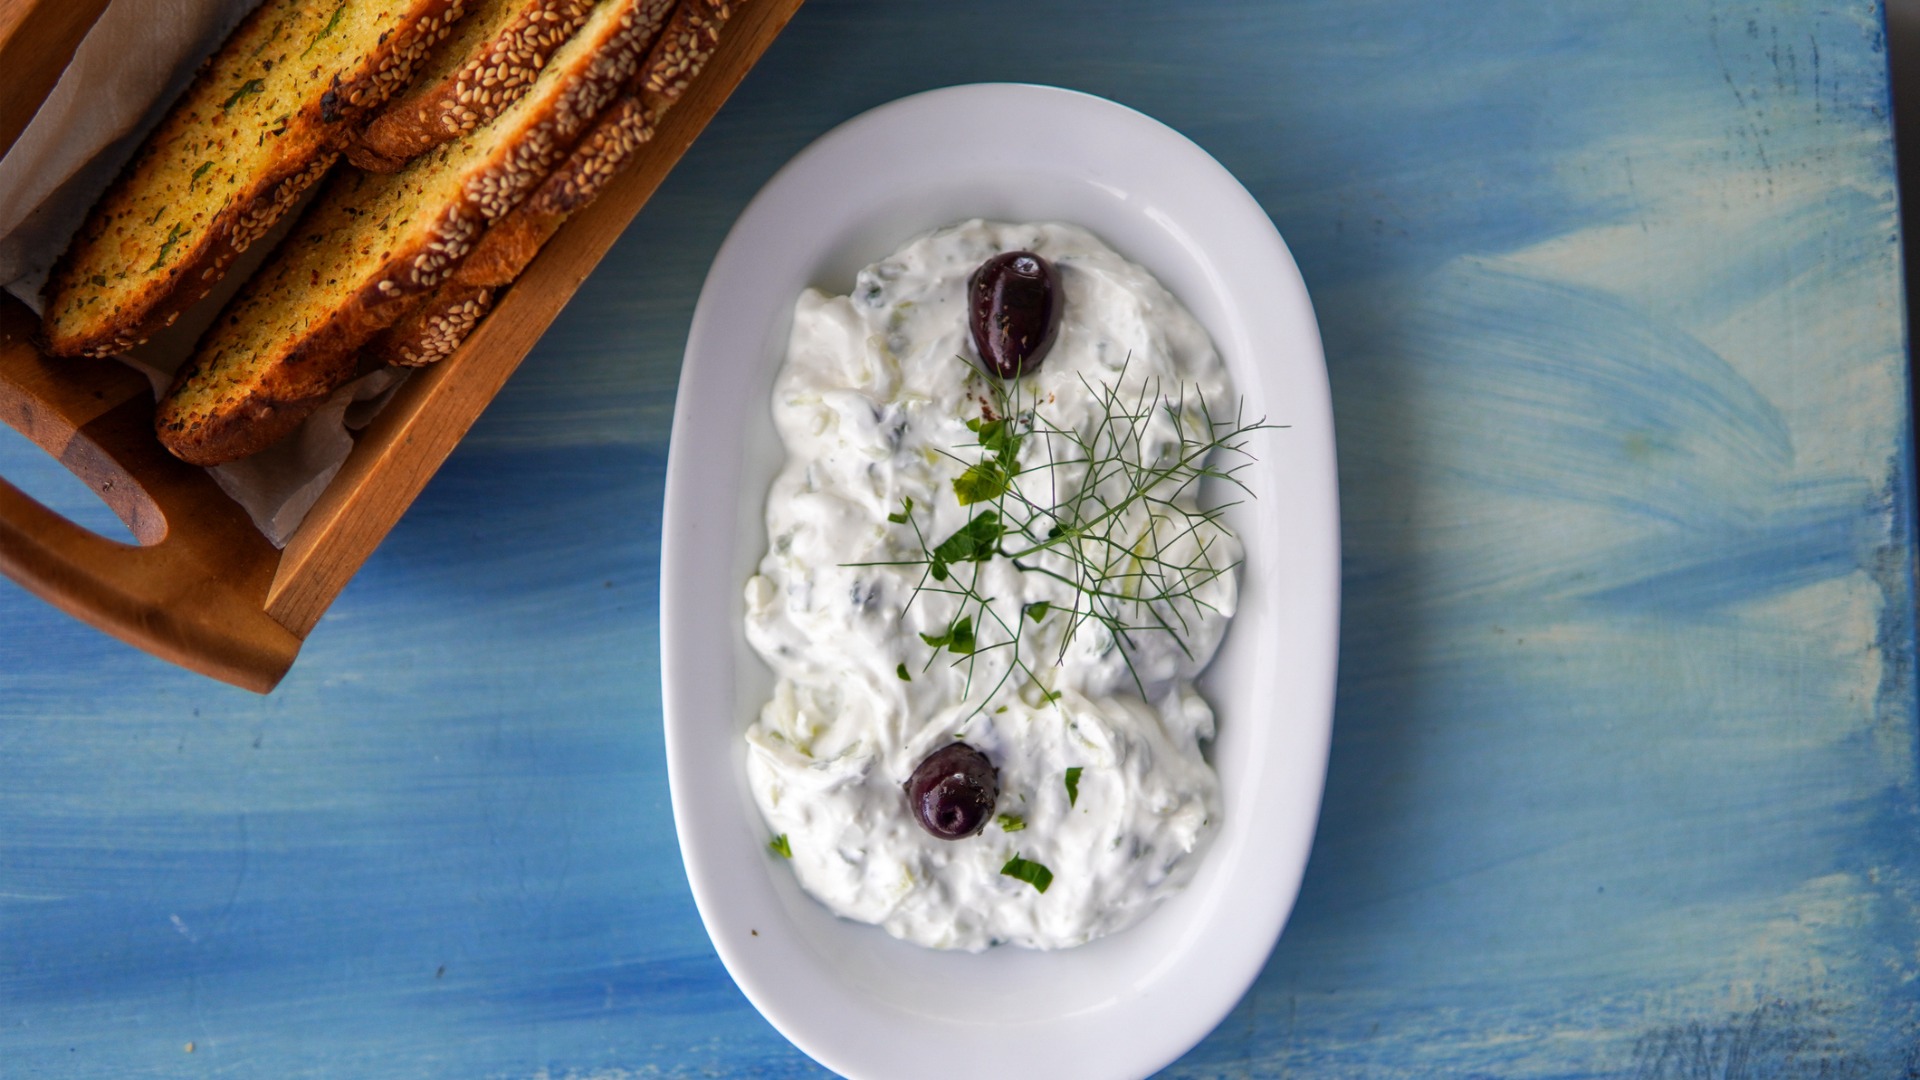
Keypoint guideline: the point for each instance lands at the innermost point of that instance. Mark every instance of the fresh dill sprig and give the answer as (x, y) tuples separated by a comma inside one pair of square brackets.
[(1127, 536)]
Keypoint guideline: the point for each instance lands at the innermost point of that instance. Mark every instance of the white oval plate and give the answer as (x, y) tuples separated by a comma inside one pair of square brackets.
[(847, 994)]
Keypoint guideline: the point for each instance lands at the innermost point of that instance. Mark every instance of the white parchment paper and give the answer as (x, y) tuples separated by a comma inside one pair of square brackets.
[(137, 58)]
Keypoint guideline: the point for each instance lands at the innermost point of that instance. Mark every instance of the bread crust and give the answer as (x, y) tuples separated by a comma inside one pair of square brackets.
[(310, 144), (252, 400), (683, 49), (300, 382), (432, 330), (446, 104)]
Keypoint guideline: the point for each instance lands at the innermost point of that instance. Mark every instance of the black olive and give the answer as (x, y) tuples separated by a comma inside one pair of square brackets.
[(952, 792), (1013, 309)]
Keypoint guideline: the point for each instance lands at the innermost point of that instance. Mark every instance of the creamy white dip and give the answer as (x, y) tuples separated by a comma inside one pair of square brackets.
[(872, 406)]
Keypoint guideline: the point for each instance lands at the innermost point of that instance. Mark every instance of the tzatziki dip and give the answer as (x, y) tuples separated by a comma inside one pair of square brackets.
[(1016, 572)]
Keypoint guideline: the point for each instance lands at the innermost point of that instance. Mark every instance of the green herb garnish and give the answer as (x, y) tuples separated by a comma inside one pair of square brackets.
[(1112, 512), (957, 638), (166, 246), (982, 482), (1032, 873), (1001, 439), (1073, 786), (271, 38), (326, 30), (781, 847), (198, 173), (976, 541), (1011, 822), (247, 90), (987, 480), (901, 670)]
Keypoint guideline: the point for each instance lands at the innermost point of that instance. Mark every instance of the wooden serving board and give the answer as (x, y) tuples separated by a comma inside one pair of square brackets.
[(204, 589)]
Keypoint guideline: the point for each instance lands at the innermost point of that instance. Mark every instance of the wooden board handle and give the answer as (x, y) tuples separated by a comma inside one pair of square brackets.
[(194, 591)]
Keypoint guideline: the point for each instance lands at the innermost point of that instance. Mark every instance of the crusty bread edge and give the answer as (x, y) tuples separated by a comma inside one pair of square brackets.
[(431, 331), (249, 216), (298, 384), (683, 48), (413, 123), (161, 301), (436, 327)]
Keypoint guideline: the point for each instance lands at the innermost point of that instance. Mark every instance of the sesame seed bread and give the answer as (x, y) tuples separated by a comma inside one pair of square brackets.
[(266, 116), (434, 328), (683, 49), (489, 60), (372, 243)]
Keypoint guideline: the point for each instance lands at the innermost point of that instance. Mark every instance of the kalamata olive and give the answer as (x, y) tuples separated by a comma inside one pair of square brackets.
[(1013, 309), (953, 791)]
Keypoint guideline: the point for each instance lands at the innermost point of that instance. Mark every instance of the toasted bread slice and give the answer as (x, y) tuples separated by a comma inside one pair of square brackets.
[(266, 116), (683, 49), (488, 61), (371, 243), (433, 329)]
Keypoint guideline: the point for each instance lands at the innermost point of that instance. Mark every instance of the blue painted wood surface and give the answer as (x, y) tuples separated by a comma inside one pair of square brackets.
[(1623, 780)]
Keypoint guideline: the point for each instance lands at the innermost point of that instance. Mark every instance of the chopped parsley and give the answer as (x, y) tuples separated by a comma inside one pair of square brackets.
[(976, 541), (198, 173), (957, 639), (1038, 609), (166, 246), (982, 482), (1032, 873), (988, 479), (901, 670), (1011, 822), (906, 512), (781, 847), (1073, 786), (271, 38), (326, 30), (997, 438), (247, 90)]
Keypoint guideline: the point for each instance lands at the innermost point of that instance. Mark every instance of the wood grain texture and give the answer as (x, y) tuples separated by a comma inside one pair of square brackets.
[(1623, 780), (192, 593)]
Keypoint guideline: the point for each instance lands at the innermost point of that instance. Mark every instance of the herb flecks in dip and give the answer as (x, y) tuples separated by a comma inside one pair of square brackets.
[(1045, 644)]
